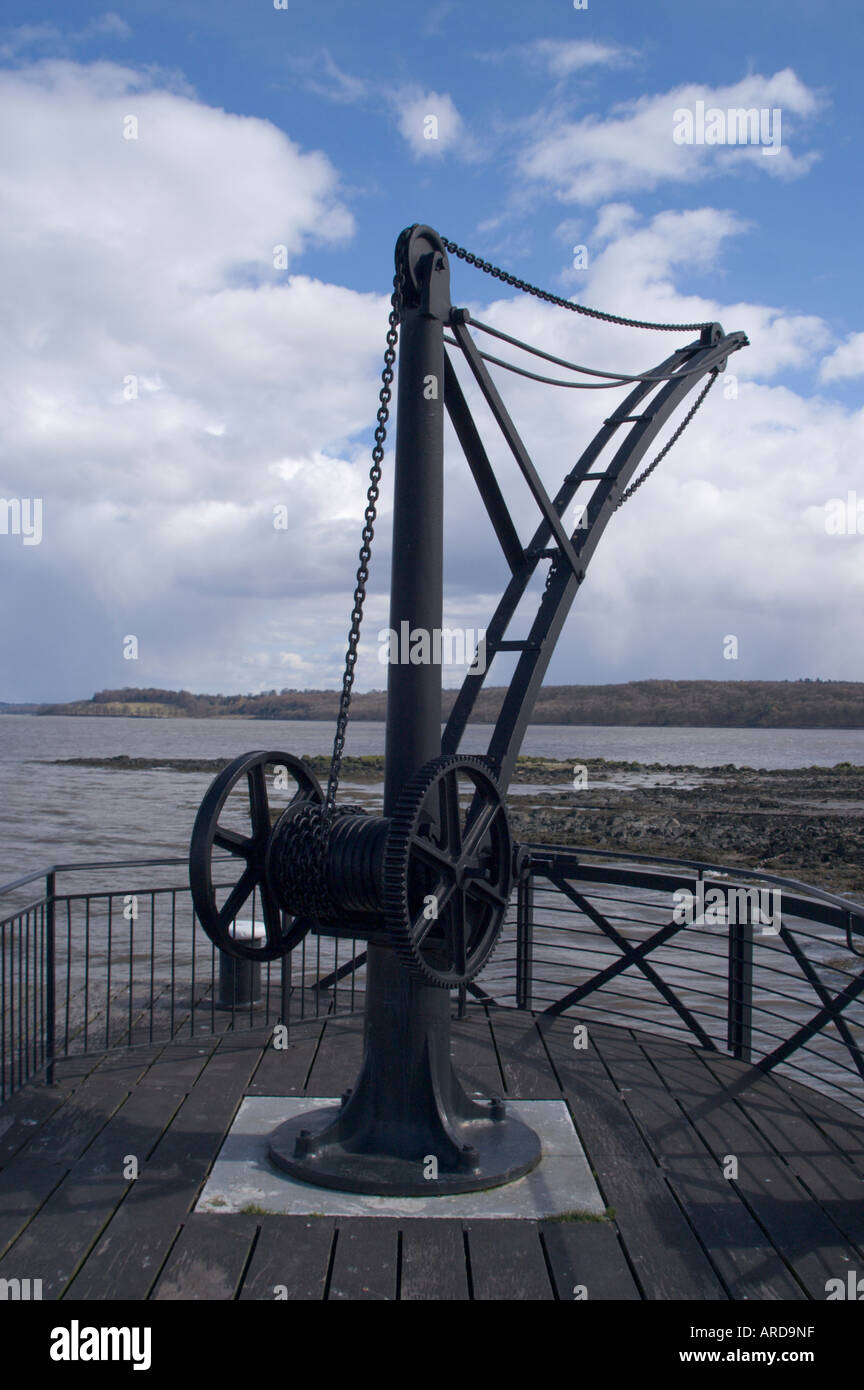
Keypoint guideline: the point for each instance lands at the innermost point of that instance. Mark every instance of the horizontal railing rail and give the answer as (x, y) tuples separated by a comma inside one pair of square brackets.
[(591, 934)]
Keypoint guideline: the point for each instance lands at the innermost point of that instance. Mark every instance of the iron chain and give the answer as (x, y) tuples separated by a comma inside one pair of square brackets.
[(509, 279), (367, 536), (672, 440), (324, 821)]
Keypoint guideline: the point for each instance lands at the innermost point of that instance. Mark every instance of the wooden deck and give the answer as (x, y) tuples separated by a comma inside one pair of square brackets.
[(656, 1118)]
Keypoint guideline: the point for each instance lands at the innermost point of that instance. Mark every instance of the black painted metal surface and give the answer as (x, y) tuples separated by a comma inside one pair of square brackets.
[(428, 884), (408, 1127)]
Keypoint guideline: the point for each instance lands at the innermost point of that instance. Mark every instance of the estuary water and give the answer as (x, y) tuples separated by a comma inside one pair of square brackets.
[(50, 813)]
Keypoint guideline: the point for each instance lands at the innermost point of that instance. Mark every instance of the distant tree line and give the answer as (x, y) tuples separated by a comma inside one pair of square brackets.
[(801, 704)]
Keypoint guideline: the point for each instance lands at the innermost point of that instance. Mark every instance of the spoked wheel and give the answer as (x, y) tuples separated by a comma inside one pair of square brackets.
[(282, 932), (448, 870)]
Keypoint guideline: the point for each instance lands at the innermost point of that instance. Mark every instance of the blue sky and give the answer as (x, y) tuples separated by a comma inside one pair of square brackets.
[(323, 73), (303, 126)]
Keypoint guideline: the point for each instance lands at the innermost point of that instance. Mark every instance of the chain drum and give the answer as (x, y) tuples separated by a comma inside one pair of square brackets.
[(345, 878)]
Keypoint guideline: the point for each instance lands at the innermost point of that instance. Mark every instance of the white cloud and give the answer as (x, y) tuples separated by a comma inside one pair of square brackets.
[(634, 275), (323, 76), (594, 159), (110, 24), (846, 360), (47, 37), (188, 174), (613, 219), (437, 16), (431, 124), (729, 535), (257, 389), (562, 57), (151, 260)]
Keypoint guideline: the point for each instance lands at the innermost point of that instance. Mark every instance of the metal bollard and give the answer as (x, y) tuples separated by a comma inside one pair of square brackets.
[(240, 980)]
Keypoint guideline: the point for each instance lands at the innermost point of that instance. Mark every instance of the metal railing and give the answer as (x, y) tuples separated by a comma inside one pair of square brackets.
[(590, 933), (771, 975), (107, 966)]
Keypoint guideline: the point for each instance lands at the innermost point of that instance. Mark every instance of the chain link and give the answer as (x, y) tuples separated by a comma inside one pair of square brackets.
[(673, 439), (509, 279), (367, 536), (300, 871)]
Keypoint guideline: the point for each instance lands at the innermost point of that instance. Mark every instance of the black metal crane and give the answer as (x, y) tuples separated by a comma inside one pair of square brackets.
[(428, 882)]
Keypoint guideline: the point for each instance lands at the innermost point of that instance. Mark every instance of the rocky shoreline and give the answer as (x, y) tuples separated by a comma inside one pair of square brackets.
[(802, 823)]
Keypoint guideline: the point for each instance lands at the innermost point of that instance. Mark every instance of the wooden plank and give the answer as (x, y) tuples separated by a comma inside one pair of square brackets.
[(788, 1121), (243, 1038), (602, 1119), (283, 1071), (208, 1259), (23, 1192), (433, 1261), (230, 1067), (840, 1195), (179, 1063), (58, 1237), (54, 1243), (128, 1256), (665, 1126), (196, 1133), (131, 1063), (666, 1256), (75, 1068), (522, 1056), (132, 1132), (842, 1127), (138, 1236), (748, 1265), (68, 1131), (133, 1246), (794, 1223), (366, 1259), (834, 1182), (291, 1259), (473, 1052), (23, 1115), (506, 1261), (588, 1255), (338, 1059)]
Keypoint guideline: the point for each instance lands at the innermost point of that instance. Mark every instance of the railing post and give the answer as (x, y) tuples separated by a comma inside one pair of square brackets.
[(50, 974), (525, 937), (285, 990), (740, 1005)]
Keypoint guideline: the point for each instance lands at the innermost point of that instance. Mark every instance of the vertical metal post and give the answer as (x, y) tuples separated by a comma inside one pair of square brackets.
[(416, 596), (525, 938), (50, 974), (285, 990), (407, 1126), (400, 1007), (740, 1007)]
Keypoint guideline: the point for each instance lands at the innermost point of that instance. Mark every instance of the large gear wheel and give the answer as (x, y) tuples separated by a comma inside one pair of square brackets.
[(448, 870)]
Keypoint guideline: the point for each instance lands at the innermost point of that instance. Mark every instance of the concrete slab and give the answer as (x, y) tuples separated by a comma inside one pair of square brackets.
[(243, 1178)]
